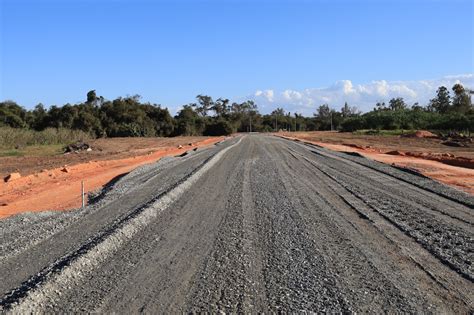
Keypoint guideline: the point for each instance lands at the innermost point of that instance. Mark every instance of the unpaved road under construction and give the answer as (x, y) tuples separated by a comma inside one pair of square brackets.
[(255, 223)]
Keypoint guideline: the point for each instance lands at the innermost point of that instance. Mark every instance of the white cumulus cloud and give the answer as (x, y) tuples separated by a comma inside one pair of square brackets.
[(267, 95), (364, 96)]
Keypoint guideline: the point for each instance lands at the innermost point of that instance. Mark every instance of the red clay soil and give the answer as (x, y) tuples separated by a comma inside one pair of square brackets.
[(103, 149), (445, 167), (60, 189)]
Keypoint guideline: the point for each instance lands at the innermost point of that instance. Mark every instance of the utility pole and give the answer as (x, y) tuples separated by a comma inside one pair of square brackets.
[(331, 121), (471, 92), (82, 194)]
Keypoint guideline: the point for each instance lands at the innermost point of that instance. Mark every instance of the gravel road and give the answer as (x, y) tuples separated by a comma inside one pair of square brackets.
[(255, 223)]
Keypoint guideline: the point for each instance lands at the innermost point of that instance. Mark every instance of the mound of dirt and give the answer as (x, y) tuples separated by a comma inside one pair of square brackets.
[(421, 134), (353, 145), (446, 158), (11, 177), (395, 152), (76, 147), (454, 143)]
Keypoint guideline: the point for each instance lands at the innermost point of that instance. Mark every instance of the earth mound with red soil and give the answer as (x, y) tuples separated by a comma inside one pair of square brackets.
[(421, 134)]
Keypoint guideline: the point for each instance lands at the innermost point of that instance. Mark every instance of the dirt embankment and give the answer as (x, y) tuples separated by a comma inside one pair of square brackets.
[(42, 157), (426, 154), (54, 183)]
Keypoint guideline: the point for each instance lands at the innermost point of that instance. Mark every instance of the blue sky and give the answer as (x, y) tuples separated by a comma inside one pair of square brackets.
[(169, 51)]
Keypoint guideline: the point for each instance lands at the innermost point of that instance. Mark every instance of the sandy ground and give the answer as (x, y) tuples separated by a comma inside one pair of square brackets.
[(47, 186), (427, 156)]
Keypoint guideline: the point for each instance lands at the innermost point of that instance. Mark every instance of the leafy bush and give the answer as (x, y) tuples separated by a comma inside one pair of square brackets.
[(453, 121), (218, 128), (353, 124)]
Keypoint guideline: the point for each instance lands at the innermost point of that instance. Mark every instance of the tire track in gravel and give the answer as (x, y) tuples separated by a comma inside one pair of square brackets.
[(397, 189), (232, 279), (220, 285), (255, 298), (263, 258), (407, 177), (297, 276), (163, 259), (449, 239), (378, 173), (409, 267), (359, 277)]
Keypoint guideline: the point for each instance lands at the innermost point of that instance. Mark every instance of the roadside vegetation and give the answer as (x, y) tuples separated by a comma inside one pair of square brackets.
[(28, 142), (129, 117), (33, 151)]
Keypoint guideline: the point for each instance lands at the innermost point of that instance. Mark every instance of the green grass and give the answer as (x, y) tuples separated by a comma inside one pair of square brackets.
[(25, 142), (34, 150), (4, 153)]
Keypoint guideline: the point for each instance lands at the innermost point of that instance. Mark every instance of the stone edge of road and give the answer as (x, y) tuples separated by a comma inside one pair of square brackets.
[(48, 291), (43, 224), (78, 168)]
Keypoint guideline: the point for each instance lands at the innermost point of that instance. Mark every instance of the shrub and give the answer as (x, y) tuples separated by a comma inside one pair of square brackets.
[(453, 121), (218, 128), (353, 124)]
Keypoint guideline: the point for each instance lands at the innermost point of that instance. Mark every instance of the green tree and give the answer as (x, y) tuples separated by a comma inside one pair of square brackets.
[(461, 99), (323, 117), (417, 107), (442, 102), (39, 117), (91, 97), (345, 110), (13, 115), (220, 127), (397, 104), (188, 121), (88, 122), (277, 115), (380, 106), (249, 116), (205, 103), (348, 111), (220, 107), (353, 123)]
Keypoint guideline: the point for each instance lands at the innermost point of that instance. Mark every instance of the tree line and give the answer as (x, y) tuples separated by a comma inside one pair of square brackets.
[(443, 112), (129, 117)]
